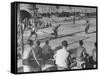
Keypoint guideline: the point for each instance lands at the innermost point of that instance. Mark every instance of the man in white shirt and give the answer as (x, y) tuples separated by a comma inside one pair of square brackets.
[(62, 56)]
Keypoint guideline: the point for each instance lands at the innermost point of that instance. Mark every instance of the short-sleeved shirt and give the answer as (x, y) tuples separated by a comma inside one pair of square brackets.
[(61, 58)]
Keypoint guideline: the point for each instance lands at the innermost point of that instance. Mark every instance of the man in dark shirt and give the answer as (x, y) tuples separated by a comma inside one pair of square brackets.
[(38, 50), (37, 53), (46, 50)]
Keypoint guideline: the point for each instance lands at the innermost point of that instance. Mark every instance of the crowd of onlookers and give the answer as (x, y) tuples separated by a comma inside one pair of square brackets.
[(34, 56)]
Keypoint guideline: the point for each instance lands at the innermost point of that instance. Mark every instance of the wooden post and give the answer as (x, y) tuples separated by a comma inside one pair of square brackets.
[(74, 17)]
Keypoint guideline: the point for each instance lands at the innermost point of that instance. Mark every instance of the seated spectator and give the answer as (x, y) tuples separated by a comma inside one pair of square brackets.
[(80, 49), (80, 56), (38, 50), (62, 57), (46, 51), (92, 59)]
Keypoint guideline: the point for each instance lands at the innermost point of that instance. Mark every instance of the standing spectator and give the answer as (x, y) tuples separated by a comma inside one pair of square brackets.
[(62, 57)]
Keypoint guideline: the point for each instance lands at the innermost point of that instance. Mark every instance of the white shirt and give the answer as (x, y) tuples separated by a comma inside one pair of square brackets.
[(27, 50), (61, 58)]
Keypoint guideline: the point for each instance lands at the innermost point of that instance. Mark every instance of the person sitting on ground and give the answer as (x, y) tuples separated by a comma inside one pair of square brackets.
[(62, 57)]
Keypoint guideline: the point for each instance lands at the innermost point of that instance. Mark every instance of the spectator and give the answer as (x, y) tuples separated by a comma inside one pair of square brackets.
[(62, 57), (81, 56), (92, 59), (26, 56), (80, 50), (38, 50), (46, 51)]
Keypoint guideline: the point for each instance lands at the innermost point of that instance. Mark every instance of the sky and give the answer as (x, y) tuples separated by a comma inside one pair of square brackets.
[(49, 8), (52, 8)]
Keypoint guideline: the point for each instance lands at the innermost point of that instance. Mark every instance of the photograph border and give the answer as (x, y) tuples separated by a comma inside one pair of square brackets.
[(14, 36)]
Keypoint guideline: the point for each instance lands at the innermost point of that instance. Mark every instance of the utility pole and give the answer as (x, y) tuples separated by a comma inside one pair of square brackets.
[(86, 14), (35, 16), (74, 16), (73, 13)]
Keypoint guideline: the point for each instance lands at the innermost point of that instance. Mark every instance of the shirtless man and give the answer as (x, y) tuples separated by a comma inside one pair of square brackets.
[(78, 55)]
